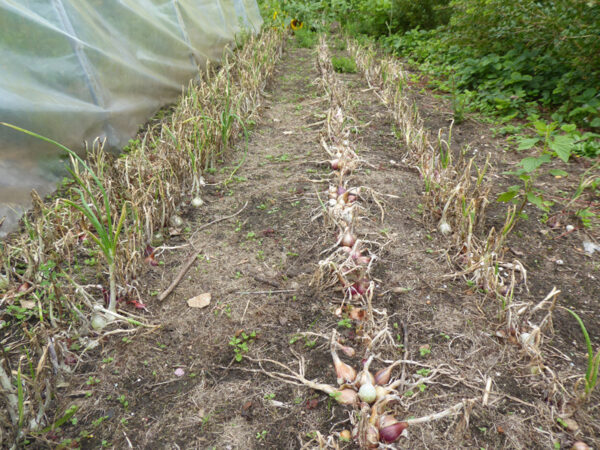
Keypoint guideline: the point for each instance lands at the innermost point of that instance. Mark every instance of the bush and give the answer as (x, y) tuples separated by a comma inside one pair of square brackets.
[(516, 58), (544, 51), (343, 64), (305, 38), (384, 17), (505, 57)]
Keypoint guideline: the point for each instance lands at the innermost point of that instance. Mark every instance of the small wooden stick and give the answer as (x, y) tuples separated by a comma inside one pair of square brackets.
[(194, 255), (206, 225), (180, 275), (486, 393)]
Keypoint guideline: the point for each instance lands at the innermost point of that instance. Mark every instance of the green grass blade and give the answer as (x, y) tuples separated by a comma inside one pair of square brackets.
[(102, 241), (59, 145), (173, 137), (79, 159), (70, 412), (105, 236), (115, 237), (588, 343), (81, 183)]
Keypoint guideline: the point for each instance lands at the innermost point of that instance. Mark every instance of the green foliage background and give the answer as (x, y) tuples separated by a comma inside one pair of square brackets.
[(508, 58)]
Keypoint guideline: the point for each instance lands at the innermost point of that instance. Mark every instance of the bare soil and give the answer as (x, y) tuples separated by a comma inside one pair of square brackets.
[(258, 266)]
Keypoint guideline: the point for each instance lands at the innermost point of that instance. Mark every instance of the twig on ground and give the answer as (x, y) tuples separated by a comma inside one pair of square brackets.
[(265, 281), (486, 393), (276, 291), (180, 275), (206, 225), (193, 257)]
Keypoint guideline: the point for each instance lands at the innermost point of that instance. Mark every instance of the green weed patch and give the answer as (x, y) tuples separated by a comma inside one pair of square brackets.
[(343, 64)]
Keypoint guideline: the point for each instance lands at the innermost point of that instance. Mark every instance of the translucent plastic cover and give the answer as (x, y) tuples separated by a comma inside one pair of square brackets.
[(75, 70)]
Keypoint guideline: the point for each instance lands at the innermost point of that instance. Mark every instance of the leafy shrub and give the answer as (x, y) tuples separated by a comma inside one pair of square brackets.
[(510, 58), (343, 64), (546, 51), (384, 17), (305, 38), (514, 82)]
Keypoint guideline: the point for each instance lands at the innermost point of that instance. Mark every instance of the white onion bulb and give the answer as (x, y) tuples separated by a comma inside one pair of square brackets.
[(197, 202), (98, 321), (367, 393)]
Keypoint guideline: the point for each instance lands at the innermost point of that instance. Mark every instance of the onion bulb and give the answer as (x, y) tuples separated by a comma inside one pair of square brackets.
[(345, 435), (391, 433), (197, 202), (157, 239), (381, 392), (372, 436), (346, 396), (332, 192), (386, 420), (349, 351), (363, 260), (344, 372), (444, 227), (357, 314), (176, 221), (360, 287), (364, 376), (347, 239), (580, 445), (367, 393), (98, 321), (382, 377), (336, 164)]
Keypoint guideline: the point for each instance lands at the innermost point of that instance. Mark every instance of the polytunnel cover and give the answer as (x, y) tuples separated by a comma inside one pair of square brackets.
[(75, 70)]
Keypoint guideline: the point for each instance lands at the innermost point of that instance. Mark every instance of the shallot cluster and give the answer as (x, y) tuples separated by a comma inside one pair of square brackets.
[(371, 393), (342, 207)]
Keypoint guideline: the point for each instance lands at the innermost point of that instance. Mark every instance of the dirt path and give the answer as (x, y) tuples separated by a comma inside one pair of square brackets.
[(180, 386)]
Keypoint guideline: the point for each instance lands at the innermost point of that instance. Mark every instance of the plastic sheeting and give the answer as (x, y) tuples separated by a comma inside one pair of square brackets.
[(75, 70)]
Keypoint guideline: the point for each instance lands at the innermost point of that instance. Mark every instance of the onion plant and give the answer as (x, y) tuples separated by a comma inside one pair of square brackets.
[(593, 361), (107, 231)]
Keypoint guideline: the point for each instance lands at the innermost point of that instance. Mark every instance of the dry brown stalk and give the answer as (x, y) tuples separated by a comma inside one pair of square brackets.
[(162, 169)]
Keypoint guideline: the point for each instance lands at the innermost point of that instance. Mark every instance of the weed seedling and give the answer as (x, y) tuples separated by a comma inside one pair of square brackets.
[(345, 323), (99, 420), (424, 350), (261, 435), (123, 401), (92, 381), (310, 344), (240, 344)]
